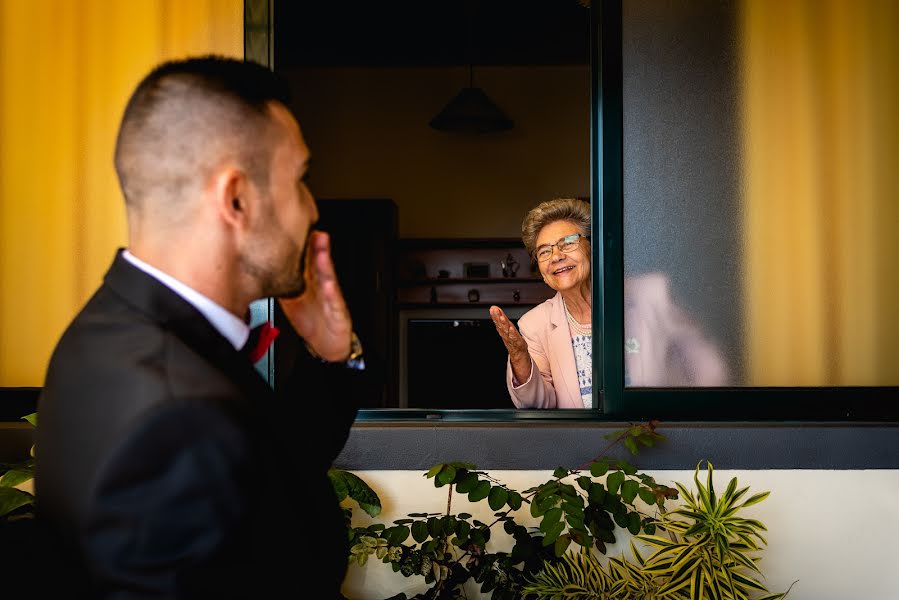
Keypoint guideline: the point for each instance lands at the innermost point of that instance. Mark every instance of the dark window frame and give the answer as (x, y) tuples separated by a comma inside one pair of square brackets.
[(616, 402)]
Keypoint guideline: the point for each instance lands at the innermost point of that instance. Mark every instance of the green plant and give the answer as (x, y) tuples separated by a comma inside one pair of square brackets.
[(13, 501), (450, 549), (710, 552)]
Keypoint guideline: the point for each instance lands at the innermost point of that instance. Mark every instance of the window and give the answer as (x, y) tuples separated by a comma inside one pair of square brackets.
[(754, 195)]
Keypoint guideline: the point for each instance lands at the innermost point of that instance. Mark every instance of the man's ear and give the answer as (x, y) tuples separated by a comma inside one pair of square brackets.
[(232, 197)]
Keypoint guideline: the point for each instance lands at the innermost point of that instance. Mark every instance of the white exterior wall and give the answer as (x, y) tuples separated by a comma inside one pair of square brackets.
[(833, 531)]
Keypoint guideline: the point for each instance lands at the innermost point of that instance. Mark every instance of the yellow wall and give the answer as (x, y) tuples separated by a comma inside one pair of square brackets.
[(66, 70)]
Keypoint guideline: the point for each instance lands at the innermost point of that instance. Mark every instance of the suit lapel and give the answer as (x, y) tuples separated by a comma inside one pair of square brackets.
[(563, 353), (173, 313)]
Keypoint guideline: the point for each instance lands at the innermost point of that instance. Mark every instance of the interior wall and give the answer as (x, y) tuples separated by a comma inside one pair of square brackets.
[(368, 132), (813, 538)]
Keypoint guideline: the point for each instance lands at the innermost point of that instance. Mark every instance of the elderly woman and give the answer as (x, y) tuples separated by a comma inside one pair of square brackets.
[(550, 359)]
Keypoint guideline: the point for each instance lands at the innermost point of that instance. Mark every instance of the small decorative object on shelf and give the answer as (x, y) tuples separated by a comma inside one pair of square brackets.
[(476, 270), (510, 266)]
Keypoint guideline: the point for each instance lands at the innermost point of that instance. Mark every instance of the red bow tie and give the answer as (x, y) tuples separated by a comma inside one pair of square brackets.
[(264, 335)]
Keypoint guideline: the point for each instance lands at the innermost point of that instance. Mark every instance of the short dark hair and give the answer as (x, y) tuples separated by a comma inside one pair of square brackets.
[(187, 116)]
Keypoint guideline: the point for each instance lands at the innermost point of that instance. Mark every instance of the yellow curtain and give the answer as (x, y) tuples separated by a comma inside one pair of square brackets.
[(66, 70), (821, 191)]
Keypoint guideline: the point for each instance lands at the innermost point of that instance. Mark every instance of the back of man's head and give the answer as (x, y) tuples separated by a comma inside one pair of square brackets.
[(186, 119)]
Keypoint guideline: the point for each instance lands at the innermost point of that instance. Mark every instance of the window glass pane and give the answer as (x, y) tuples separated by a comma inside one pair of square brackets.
[(760, 193)]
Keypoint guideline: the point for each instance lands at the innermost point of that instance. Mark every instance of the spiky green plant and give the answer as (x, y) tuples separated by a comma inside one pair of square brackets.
[(578, 576), (711, 553)]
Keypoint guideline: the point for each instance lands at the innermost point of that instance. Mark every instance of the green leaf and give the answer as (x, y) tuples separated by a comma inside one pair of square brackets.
[(755, 499), (560, 473), (657, 541), (575, 521), (633, 523), (419, 531), (448, 524), (357, 490), (467, 483), (631, 446), (447, 474), (32, 418), (553, 533), (568, 491), (629, 490), (627, 467), (338, 482), (477, 537), (561, 545), (599, 468), (749, 582), (552, 516), (613, 481), (605, 535), (514, 500), (481, 491), (497, 497), (548, 502), (647, 496), (15, 477), (463, 529), (12, 498), (597, 493), (396, 535), (434, 470), (435, 527)]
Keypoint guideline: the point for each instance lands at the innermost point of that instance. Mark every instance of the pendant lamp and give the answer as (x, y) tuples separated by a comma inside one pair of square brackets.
[(471, 111)]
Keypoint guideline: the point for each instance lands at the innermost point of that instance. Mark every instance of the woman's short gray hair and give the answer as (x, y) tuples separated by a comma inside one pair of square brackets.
[(558, 209)]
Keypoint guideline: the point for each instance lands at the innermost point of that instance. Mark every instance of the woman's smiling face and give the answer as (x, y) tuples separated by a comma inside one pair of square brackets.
[(564, 271)]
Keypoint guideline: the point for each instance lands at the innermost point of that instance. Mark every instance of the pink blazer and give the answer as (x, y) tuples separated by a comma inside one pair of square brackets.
[(663, 348), (553, 382)]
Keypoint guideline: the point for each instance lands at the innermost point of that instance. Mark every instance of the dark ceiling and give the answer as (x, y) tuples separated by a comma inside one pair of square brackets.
[(336, 33)]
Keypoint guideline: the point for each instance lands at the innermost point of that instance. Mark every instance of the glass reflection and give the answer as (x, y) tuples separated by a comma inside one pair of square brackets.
[(760, 176)]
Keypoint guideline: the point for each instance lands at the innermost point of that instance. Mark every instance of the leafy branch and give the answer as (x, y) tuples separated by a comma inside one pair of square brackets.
[(450, 549), (14, 502)]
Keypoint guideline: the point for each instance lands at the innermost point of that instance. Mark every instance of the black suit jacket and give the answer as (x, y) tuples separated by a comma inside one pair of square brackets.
[(166, 465)]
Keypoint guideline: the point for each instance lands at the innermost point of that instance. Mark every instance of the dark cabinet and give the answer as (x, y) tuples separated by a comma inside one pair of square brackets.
[(363, 244)]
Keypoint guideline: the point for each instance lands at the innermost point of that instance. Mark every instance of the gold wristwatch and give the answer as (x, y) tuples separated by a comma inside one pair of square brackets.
[(355, 348), (355, 360)]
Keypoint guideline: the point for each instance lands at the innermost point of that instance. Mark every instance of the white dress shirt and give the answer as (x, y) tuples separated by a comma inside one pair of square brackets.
[(233, 328)]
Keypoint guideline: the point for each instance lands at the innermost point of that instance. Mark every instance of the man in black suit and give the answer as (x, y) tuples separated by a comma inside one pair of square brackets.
[(166, 465)]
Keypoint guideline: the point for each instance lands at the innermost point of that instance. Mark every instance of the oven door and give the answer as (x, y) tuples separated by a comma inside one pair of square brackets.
[(453, 358)]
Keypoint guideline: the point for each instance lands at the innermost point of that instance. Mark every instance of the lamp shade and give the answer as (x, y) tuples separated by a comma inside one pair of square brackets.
[(471, 111)]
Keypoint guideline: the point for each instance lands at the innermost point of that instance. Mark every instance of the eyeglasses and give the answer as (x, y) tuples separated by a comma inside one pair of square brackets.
[(566, 244)]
